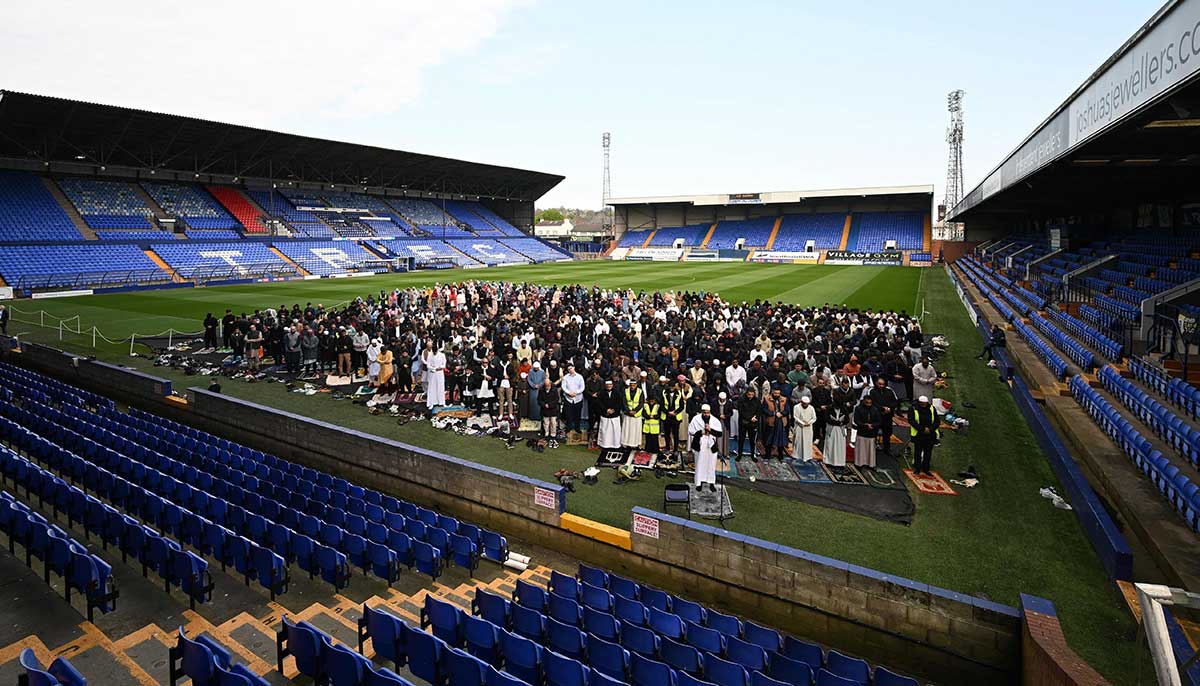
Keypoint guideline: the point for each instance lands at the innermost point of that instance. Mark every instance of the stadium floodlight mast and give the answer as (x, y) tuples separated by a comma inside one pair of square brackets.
[(606, 190), (954, 166)]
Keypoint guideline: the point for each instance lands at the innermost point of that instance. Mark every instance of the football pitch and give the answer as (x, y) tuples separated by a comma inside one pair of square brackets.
[(996, 540), (146, 313)]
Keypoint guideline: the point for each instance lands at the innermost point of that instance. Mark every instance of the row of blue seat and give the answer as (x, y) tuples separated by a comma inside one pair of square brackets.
[(532, 646), (52, 387), (1107, 346), (326, 662), (1078, 352), (207, 663), (1043, 349), (204, 512), (320, 485), (260, 547), (1168, 425), (58, 552), (60, 672), (1177, 391), (1174, 485), (156, 551)]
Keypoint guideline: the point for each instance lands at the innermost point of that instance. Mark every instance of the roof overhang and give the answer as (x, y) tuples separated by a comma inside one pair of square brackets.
[(771, 197), (54, 130), (1159, 60)]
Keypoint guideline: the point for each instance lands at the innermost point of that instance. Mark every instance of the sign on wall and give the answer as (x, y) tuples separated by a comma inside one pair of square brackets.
[(544, 497), (645, 526), (863, 258), (745, 198)]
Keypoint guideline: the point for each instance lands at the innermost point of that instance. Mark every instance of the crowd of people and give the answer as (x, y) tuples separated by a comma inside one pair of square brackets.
[(647, 370)]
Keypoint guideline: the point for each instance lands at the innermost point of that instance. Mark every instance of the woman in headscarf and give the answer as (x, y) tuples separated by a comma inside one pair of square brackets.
[(385, 361)]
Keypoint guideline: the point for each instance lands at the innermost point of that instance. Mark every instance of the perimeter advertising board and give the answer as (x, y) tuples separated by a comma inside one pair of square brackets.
[(864, 258), (785, 257)]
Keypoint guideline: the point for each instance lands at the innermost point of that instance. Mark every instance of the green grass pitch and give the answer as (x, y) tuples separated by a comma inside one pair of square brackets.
[(997, 540)]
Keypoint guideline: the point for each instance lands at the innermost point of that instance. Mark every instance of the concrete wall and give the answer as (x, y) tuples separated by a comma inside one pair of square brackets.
[(911, 626)]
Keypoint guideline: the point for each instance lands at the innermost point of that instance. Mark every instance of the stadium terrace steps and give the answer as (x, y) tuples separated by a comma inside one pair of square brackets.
[(845, 232), (67, 206), (300, 270), (149, 200), (927, 234), (241, 207), (854, 221), (162, 264), (649, 238), (708, 236), (774, 233)]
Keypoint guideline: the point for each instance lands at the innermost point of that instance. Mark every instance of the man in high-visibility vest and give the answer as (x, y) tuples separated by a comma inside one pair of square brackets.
[(652, 420), (924, 422), (673, 407), (631, 421)]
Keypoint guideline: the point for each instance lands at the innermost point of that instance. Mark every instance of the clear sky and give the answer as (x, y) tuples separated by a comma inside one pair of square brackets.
[(699, 96)]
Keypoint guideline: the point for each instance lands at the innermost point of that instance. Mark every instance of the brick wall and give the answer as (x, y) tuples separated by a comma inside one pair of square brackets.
[(1048, 660), (911, 626)]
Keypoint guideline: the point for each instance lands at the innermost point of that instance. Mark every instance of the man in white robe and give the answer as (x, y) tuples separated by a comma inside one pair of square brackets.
[(804, 417), (924, 377), (435, 380), (609, 404), (704, 432), (631, 421)]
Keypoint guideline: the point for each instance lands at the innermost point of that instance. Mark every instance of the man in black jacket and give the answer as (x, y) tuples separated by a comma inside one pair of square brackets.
[(748, 409), (997, 340), (885, 399)]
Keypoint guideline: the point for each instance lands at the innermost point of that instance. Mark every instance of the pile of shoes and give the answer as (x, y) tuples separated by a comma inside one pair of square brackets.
[(306, 389)]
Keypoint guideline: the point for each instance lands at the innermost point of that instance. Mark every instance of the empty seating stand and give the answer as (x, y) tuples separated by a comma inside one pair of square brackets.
[(107, 204), (599, 628), (1175, 485), (82, 266), (1177, 391), (254, 512), (205, 662), (191, 203), (29, 212)]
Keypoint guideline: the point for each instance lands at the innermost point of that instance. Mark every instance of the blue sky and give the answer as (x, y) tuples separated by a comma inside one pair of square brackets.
[(699, 96)]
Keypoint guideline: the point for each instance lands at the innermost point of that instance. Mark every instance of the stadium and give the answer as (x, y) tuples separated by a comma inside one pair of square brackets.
[(280, 409)]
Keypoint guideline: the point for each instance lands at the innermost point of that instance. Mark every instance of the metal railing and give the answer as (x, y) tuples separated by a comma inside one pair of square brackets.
[(93, 279)]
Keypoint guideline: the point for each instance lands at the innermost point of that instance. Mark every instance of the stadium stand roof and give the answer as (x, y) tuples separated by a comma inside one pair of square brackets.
[(1132, 128), (773, 197), (56, 130)]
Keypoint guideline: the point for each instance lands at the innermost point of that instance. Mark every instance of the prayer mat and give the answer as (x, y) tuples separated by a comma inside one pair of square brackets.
[(727, 467), (333, 380), (709, 505), (530, 425), (576, 438), (406, 398), (642, 459), (809, 472), (884, 477), (611, 457), (365, 390), (745, 468), (933, 484), (846, 475), (776, 470)]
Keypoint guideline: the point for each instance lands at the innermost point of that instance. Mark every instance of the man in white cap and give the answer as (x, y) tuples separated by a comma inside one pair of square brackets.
[(609, 403), (924, 422), (631, 420), (705, 431), (804, 417)]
